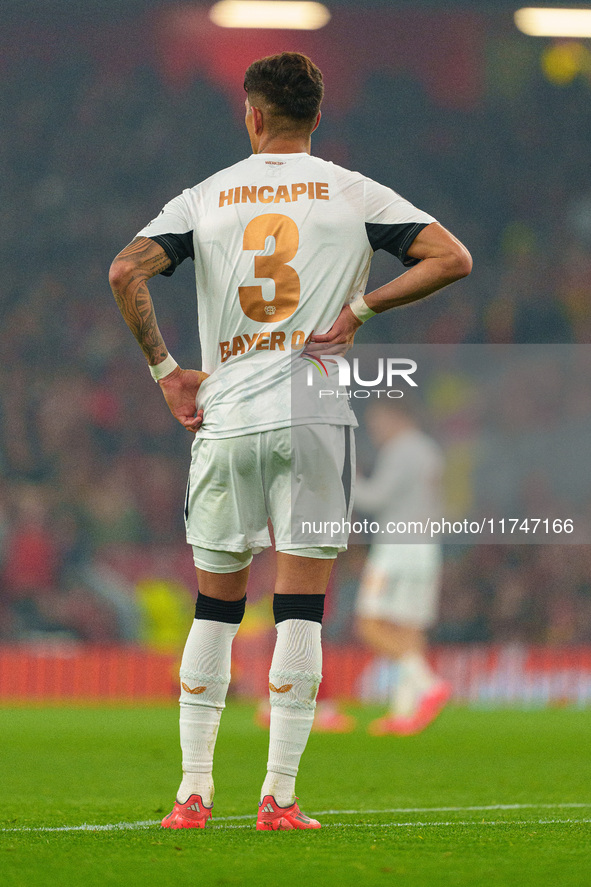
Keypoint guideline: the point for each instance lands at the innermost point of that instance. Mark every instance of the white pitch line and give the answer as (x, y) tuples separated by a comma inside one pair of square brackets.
[(86, 827), (564, 806), (148, 823), (471, 822)]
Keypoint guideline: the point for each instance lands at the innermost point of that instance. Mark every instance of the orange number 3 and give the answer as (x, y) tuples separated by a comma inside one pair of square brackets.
[(275, 267)]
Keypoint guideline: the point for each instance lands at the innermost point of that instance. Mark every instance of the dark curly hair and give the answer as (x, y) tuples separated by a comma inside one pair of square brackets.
[(289, 84)]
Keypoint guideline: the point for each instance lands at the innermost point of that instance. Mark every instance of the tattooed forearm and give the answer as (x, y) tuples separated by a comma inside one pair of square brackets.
[(134, 266), (136, 307)]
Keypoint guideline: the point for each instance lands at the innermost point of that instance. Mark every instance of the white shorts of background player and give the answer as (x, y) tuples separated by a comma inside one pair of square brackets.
[(401, 584)]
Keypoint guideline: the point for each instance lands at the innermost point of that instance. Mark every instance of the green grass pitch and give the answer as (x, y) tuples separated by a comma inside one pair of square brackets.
[(480, 798)]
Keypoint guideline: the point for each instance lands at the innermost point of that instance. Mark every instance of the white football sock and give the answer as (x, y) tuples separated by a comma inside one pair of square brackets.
[(205, 676), (294, 678), (415, 678)]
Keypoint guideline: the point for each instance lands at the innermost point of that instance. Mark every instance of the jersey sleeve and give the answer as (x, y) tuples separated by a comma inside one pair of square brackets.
[(391, 222), (387, 482), (173, 231)]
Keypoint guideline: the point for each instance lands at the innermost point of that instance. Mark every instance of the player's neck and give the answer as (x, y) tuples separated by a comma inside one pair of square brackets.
[(279, 145)]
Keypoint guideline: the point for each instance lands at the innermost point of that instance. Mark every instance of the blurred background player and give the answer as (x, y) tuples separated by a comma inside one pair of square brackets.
[(399, 591), (281, 244)]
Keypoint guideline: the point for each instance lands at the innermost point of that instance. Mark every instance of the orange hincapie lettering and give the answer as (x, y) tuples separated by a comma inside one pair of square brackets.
[(272, 194)]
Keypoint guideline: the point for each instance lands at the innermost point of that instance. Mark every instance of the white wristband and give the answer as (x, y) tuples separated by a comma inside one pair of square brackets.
[(361, 309), (163, 369)]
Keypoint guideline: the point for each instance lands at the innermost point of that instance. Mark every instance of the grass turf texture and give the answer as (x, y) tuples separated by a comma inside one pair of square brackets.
[(68, 766)]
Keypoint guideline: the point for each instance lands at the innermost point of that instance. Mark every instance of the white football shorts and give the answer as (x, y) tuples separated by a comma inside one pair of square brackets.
[(401, 583), (298, 478)]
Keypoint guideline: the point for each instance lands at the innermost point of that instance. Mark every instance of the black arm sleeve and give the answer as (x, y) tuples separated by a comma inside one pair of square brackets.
[(177, 247), (395, 239)]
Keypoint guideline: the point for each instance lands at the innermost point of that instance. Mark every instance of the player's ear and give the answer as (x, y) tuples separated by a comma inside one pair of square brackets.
[(257, 120), (317, 121)]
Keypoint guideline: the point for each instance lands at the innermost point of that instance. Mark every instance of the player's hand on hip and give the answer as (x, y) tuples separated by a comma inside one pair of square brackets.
[(339, 338), (180, 390)]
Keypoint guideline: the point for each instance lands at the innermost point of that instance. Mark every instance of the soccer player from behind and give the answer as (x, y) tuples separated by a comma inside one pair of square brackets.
[(281, 243)]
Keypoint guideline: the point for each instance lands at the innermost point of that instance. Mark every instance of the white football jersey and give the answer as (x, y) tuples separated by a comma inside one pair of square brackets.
[(406, 483), (280, 243)]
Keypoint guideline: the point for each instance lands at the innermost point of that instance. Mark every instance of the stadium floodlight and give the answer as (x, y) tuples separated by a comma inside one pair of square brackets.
[(289, 14), (547, 22)]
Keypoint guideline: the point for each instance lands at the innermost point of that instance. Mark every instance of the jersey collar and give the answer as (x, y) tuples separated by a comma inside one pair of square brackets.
[(290, 156)]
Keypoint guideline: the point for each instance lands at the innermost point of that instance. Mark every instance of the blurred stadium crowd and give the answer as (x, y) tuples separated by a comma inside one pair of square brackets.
[(92, 467)]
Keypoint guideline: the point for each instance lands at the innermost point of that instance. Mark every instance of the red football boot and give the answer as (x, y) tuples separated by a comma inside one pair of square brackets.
[(192, 814), (274, 818), (430, 705)]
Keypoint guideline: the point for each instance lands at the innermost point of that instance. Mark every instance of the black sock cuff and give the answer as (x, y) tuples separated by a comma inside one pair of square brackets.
[(219, 611), (298, 606)]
